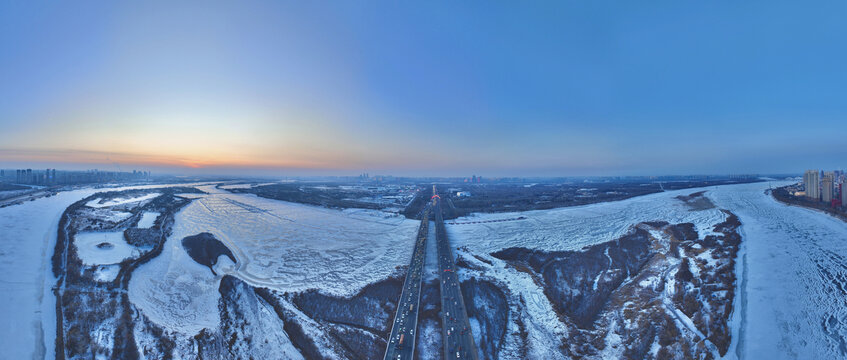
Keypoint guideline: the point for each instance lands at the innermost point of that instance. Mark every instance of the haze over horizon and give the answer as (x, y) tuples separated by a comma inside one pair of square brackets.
[(580, 89)]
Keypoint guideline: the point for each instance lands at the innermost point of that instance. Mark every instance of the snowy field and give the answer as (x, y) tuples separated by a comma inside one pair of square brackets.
[(279, 245), (96, 203)]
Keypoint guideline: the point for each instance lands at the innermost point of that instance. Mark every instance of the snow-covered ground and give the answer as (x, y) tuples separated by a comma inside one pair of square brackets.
[(106, 273), (279, 245), (27, 304), (103, 248), (245, 186), (96, 203), (573, 228)]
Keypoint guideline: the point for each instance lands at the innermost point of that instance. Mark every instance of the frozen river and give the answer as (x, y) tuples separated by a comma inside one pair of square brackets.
[(792, 298)]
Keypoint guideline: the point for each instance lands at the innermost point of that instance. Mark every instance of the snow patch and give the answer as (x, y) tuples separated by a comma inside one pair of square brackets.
[(106, 273), (96, 203), (147, 219), (102, 248)]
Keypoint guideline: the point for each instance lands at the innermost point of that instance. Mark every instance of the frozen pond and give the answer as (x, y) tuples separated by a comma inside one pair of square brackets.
[(103, 248), (147, 219)]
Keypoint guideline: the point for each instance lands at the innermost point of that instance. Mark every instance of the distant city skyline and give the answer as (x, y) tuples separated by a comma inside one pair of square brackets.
[(435, 89)]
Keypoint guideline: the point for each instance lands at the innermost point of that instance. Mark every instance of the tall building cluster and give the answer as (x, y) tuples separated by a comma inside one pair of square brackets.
[(474, 179), (826, 186), (50, 177), (811, 180)]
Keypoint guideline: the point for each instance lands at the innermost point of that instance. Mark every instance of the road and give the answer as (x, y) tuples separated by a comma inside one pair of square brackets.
[(401, 342), (458, 339)]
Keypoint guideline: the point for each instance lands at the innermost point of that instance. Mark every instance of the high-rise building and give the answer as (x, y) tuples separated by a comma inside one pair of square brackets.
[(843, 194), (811, 180), (29, 178), (827, 186)]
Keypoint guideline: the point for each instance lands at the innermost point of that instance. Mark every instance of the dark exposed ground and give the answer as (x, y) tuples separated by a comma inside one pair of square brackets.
[(360, 323), (9, 187), (295, 192), (563, 271), (619, 287), (205, 249), (487, 306), (696, 201), (508, 197), (485, 197)]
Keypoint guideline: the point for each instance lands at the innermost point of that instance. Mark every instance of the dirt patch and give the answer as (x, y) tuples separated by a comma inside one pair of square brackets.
[(696, 201), (205, 250)]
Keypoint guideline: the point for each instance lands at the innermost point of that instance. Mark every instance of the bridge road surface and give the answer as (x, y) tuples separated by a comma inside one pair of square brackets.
[(406, 318), (457, 336)]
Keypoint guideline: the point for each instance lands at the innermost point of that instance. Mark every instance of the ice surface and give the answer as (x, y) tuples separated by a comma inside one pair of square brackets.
[(147, 219), (91, 250), (792, 302), (27, 306), (279, 245)]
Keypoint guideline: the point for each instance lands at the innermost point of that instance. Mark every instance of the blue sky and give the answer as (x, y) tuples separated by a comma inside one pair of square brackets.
[(551, 89)]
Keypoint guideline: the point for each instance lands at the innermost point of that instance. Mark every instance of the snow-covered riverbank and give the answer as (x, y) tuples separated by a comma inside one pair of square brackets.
[(27, 303)]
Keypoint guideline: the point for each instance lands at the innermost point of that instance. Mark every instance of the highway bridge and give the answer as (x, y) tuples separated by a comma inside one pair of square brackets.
[(401, 342), (456, 333)]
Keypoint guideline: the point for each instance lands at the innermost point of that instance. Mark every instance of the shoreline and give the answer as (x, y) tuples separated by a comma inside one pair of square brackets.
[(783, 199)]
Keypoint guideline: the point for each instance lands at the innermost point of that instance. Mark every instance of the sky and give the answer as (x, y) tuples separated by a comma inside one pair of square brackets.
[(564, 88)]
